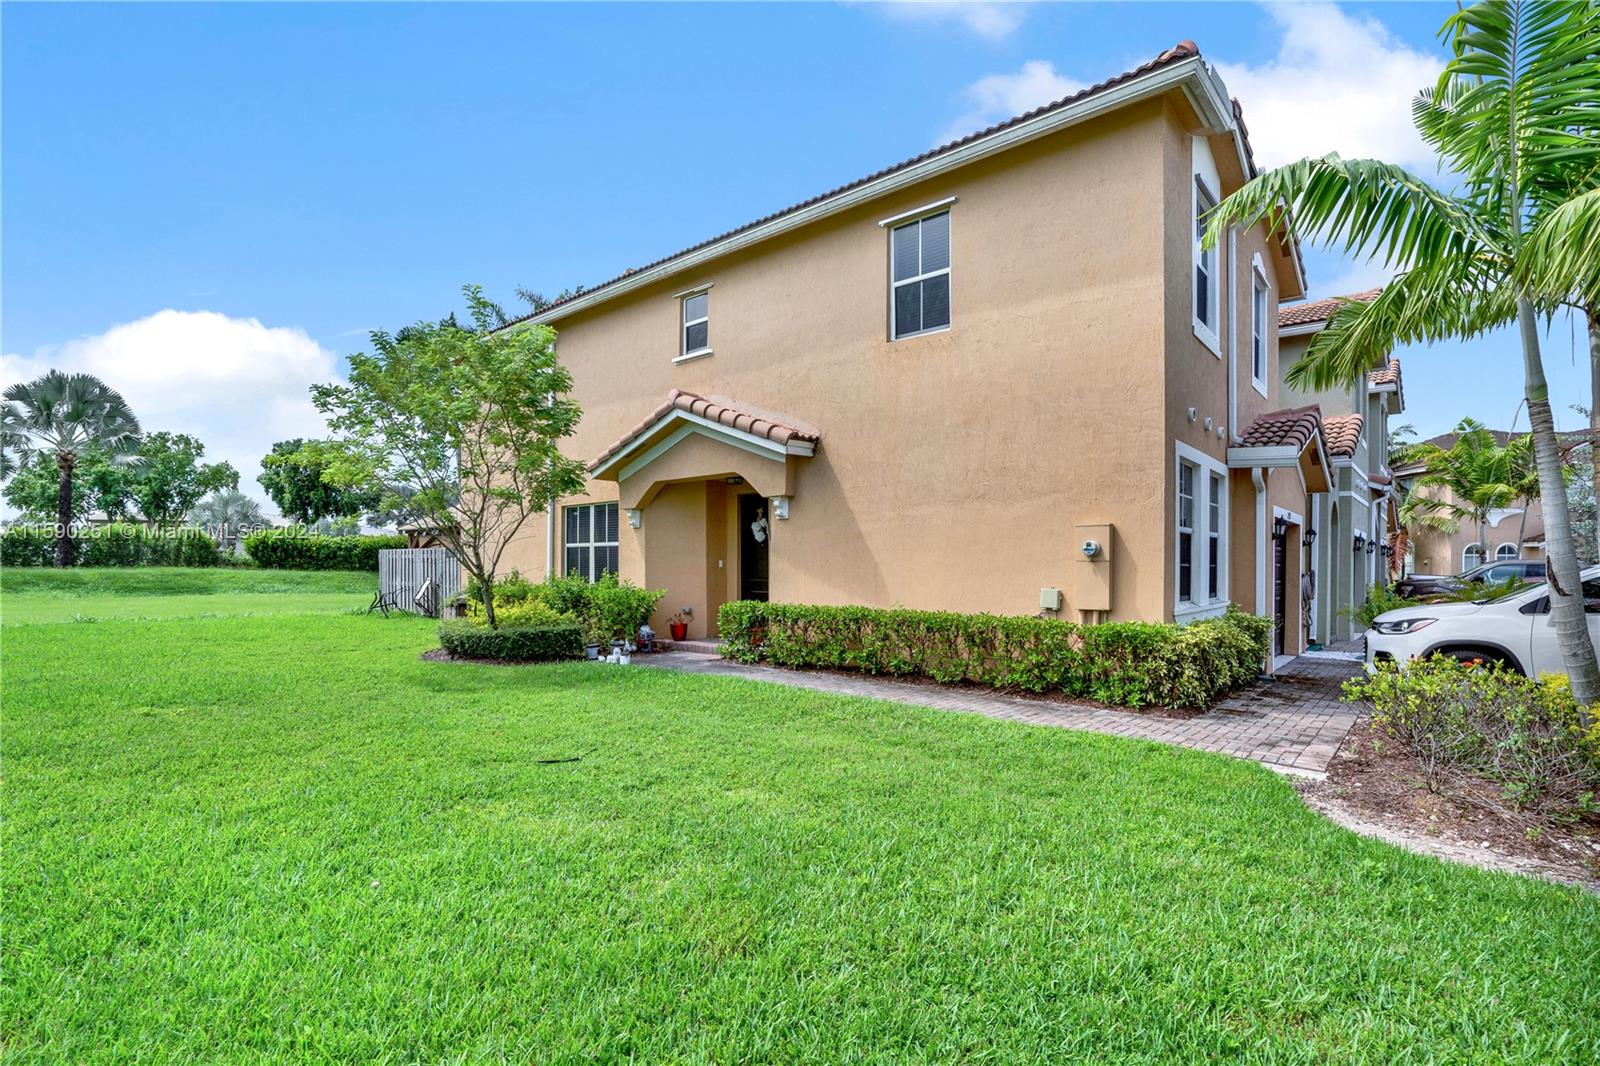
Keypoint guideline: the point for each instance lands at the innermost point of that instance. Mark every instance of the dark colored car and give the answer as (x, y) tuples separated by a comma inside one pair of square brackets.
[(1421, 586)]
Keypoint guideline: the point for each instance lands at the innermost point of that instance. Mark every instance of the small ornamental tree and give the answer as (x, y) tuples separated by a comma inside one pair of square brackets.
[(470, 420), (299, 489)]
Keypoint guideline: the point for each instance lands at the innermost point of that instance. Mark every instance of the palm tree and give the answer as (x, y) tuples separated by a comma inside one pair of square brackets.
[(1479, 475), (1512, 117), (60, 415), (226, 514)]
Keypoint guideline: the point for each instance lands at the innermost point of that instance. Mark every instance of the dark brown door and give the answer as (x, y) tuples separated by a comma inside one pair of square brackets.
[(1279, 593), (755, 534)]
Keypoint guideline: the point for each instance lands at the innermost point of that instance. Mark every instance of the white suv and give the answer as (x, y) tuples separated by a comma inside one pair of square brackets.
[(1514, 629)]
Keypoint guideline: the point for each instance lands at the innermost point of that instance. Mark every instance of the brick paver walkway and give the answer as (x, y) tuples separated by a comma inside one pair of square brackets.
[(1295, 723)]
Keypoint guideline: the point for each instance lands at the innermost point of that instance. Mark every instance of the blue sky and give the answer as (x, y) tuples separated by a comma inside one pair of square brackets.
[(211, 205)]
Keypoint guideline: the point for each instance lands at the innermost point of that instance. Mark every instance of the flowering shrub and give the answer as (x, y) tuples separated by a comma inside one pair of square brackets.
[(1131, 664), (1483, 719)]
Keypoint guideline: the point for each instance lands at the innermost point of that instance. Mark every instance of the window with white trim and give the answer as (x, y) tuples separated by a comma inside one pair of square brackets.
[(1186, 479), (1471, 556), (919, 265), (591, 540), (1217, 486), (696, 324), (1504, 552), (1205, 260), (1258, 328)]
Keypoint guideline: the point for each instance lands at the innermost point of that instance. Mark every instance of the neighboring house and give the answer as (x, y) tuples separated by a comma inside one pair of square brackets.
[(1353, 521), (935, 386), (1515, 531)]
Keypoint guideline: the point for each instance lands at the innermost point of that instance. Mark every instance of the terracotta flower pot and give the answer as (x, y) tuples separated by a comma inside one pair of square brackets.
[(680, 630)]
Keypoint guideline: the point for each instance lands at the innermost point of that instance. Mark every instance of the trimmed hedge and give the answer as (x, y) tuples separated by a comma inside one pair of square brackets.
[(1131, 664), (114, 544), (288, 549), (521, 644)]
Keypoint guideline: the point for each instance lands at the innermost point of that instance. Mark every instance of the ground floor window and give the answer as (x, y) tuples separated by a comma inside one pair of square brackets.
[(1505, 551), (1202, 532), (1471, 557), (591, 539)]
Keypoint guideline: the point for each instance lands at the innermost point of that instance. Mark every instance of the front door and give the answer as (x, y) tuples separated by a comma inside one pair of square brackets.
[(1279, 593), (755, 534)]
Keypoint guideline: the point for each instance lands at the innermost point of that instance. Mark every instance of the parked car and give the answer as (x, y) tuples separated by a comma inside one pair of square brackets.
[(1420, 586), (1513, 629)]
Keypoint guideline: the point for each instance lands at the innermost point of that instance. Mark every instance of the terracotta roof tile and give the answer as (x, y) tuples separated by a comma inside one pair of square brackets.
[(1297, 426), (723, 413), (1177, 53), (1342, 434), (1388, 375), (1320, 310)]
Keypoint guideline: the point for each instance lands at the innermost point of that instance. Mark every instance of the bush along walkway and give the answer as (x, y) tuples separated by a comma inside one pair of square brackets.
[(1294, 723)]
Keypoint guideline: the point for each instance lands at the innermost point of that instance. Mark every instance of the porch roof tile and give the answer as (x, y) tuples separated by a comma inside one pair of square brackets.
[(720, 411), (1342, 434), (1320, 310), (1296, 426)]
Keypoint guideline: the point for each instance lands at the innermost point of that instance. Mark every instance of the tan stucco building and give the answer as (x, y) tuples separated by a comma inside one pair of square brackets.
[(1515, 531), (938, 385)]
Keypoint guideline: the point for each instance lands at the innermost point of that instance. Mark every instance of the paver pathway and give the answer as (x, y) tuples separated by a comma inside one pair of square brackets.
[(1295, 723)]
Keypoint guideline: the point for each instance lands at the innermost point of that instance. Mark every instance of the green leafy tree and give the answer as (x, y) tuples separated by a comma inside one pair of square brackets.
[(62, 416), (293, 477), (470, 420), (169, 477), (1512, 117), (101, 484), (227, 515), (1478, 475)]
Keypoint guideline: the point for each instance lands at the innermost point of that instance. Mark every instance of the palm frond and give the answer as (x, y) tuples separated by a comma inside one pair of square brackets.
[(1561, 259), (1363, 207)]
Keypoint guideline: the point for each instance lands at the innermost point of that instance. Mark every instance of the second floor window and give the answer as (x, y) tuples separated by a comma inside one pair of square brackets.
[(920, 273), (1205, 260), (591, 540), (696, 323), (1258, 328)]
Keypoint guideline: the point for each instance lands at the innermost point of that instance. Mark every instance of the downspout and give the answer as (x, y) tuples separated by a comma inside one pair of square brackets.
[(550, 540), (1233, 334)]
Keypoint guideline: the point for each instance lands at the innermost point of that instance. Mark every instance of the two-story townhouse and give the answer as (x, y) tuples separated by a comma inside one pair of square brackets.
[(1004, 375), (1349, 531)]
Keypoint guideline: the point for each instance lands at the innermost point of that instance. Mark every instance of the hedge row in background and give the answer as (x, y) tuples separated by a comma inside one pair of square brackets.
[(1132, 664), (521, 644), (282, 549), (114, 544)]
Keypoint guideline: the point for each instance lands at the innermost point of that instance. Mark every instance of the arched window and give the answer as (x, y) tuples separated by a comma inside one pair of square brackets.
[(1471, 557), (1505, 551)]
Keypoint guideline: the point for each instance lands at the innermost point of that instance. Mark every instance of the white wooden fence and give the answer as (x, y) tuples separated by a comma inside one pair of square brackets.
[(405, 573)]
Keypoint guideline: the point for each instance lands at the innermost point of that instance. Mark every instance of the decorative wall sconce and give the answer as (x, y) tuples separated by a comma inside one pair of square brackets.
[(1280, 527), (1309, 539), (1360, 542), (780, 507), (635, 517), (1372, 546)]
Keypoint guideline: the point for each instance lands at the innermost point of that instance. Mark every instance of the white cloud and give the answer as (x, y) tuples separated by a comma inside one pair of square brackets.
[(998, 97), (992, 21), (1340, 83), (234, 383)]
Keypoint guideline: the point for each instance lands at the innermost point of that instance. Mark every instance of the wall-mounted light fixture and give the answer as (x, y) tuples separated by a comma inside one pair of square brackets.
[(1310, 538), (1372, 546), (1280, 527), (1360, 542)]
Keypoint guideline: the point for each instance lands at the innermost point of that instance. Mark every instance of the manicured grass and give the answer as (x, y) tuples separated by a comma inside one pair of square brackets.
[(43, 595), (287, 838)]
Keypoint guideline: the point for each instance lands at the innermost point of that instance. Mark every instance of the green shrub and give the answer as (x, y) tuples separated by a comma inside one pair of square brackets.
[(1485, 720), (1380, 600), (1125, 663), (522, 644), (290, 549), (513, 588), (112, 544), (524, 612)]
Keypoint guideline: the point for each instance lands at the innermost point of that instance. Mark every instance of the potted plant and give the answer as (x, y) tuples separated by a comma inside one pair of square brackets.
[(679, 624), (593, 637)]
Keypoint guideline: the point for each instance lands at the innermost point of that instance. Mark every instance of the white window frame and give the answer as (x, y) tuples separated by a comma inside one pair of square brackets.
[(684, 322), (1216, 499), (1194, 496), (917, 220), (1201, 604), (1515, 552), (1211, 261), (592, 543), (1467, 552), (1261, 304)]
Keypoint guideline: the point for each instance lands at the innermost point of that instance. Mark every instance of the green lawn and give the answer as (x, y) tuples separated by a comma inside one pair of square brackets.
[(28, 595), (288, 838)]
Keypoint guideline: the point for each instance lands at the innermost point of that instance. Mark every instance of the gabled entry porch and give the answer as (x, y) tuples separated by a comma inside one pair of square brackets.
[(706, 485)]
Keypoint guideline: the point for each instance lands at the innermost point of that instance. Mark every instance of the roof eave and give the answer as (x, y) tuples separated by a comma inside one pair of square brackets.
[(1192, 76)]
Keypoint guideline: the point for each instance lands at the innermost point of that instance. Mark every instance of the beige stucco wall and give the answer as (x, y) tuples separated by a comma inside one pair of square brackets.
[(1440, 553), (953, 467)]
